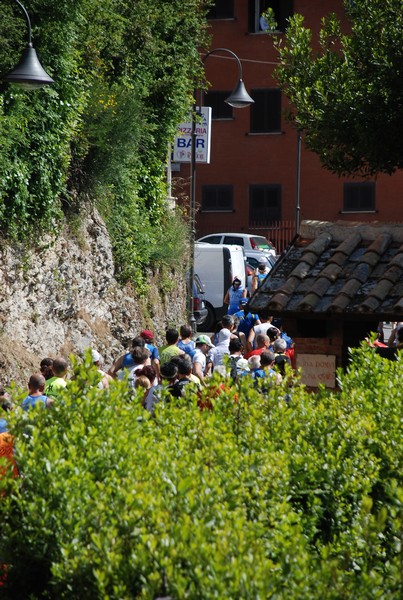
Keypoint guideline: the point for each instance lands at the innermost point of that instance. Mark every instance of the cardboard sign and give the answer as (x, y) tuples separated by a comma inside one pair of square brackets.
[(317, 369)]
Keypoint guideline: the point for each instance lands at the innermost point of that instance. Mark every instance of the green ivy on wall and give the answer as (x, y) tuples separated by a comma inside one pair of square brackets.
[(123, 76)]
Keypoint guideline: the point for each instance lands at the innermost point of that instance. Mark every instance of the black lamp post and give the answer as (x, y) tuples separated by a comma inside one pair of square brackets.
[(298, 183), (29, 73), (239, 98)]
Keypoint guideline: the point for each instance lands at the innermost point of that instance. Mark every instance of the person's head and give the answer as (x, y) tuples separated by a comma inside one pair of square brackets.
[(147, 336), (237, 320), (262, 263), (264, 316), (142, 382), (169, 372), (171, 336), (236, 283), (138, 341), (277, 323), (280, 346), (235, 346), (5, 401), (96, 357), (45, 367), (140, 355), (267, 359), (243, 304), (184, 365), (60, 366), (203, 342), (36, 383), (149, 372), (242, 365), (6, 404), (273, 334), (185, 331), (227, 322), (175, 359), (224, 336), (254, 362), (262, 340)]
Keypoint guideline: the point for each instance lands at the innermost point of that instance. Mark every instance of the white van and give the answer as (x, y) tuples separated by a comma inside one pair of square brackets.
[(217, 265)]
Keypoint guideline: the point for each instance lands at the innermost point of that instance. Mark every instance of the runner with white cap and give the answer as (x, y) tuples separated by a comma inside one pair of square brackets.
[(261, 273)]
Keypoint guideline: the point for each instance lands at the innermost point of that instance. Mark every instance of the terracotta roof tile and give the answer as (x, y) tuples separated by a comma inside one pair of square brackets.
[(309, 302), (398, 258), (380, 244), (369, 305), (346, 248), (331, 272), (379, 293), (355, 268)]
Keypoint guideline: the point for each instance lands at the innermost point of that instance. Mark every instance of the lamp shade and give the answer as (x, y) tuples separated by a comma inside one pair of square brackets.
[(239, 98), (29, 73)]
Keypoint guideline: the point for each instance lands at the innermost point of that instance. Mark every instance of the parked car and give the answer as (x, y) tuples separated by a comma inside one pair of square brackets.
[(254, 246), (251, 266), (199, 305)]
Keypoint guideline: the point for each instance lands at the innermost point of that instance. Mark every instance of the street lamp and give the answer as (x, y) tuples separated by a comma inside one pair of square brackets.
[(29, 73), (298, 183), (239, 98)]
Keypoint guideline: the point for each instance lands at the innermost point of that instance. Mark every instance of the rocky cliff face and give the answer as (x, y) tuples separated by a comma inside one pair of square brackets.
[(62, 298)]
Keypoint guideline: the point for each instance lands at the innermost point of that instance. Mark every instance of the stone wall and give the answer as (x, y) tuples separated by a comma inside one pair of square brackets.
[(62, 298)]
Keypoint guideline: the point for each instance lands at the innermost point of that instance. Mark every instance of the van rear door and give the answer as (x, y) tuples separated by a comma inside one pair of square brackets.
[(238, 265), (210, 266)]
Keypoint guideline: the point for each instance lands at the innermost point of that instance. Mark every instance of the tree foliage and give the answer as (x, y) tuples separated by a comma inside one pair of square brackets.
[(123, 76), (348, 94), (256, 498)]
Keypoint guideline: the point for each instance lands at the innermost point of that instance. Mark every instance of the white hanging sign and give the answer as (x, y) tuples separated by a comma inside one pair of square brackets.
[(183, 139)]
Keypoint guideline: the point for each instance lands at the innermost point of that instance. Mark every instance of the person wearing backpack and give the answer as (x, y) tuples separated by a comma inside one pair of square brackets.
[(235, 354), (185, 377), (262, 367), (281, 359)]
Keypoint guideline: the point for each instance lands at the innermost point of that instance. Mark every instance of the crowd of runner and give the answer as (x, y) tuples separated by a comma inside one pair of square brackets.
[(243, 344)]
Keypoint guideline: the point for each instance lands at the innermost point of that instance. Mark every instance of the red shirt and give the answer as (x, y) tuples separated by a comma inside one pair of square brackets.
[(256, 352)]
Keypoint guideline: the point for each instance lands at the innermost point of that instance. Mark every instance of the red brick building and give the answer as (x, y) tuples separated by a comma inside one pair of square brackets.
[(251, 181)]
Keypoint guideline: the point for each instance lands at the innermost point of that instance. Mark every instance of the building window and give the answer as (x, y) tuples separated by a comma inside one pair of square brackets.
[(282, 9), (222, 9), (265, 113), (359, 197), (217, 198), (264, 204), (221, 110)]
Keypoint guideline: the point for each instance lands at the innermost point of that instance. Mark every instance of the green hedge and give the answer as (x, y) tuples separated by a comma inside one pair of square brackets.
[(257, 498)]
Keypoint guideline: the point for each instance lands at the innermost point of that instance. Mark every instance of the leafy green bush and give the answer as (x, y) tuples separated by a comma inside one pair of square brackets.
[(256, 498)]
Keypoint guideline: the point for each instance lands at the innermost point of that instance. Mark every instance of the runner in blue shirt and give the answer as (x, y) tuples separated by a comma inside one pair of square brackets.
[(234, 295), (36, 386), (247, 320)]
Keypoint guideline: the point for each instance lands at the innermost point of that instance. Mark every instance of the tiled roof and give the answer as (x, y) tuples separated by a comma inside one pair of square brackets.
[(334, 268)]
